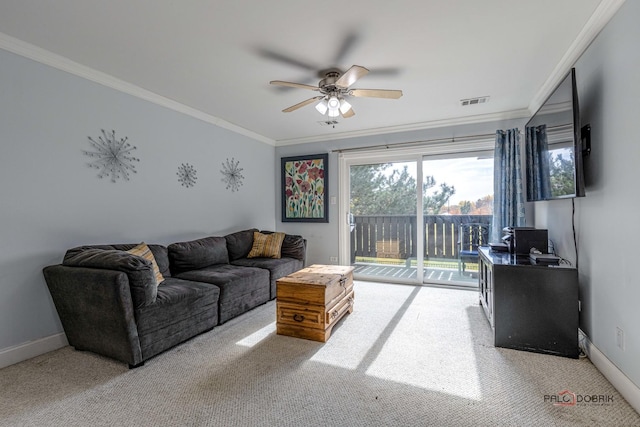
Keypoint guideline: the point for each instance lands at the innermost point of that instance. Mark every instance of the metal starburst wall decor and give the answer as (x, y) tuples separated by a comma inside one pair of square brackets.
[(112, 156), (187, 175), (232, 174)]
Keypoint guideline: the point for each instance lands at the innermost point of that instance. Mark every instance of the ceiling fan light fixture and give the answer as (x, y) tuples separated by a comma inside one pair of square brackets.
[(344, 106), (333, 103), (333, 88), (322, 107)]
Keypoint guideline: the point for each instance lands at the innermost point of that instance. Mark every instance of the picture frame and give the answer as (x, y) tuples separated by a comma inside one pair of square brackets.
[(305, 185)]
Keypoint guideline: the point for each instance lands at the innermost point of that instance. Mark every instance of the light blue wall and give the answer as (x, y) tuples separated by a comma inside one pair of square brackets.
[(607, 218), (50, 200)]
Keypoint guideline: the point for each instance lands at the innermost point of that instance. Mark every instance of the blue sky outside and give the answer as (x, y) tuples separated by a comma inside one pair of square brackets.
[(472, 177)]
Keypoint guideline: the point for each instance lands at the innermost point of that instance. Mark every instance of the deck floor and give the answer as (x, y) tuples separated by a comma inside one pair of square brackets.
[(397, 272)]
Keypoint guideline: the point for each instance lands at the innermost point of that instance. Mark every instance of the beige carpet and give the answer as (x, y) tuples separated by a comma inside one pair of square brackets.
[(407, 356)]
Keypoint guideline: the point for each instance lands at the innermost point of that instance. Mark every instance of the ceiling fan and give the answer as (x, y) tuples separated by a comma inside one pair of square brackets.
[(335, 87)]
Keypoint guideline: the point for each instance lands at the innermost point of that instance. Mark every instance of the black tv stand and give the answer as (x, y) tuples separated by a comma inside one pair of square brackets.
[(529, 307)]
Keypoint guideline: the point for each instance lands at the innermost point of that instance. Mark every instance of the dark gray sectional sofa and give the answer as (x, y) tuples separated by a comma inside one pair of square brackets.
[(110, 303)]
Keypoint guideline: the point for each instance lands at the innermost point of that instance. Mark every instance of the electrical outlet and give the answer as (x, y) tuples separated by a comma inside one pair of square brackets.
[(333, 258), (620, 338)]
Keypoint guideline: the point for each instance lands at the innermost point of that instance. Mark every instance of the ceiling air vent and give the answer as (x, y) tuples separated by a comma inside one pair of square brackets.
[(474, 101), (328, 122)]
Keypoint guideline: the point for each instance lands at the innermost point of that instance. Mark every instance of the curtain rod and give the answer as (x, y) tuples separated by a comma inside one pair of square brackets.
[(412, 143), (429, 141)]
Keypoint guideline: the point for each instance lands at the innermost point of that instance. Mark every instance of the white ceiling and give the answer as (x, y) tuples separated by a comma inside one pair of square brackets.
[(214, 59)]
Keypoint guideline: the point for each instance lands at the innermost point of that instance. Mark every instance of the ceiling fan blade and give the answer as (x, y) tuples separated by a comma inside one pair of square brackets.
[(347, 46), (302, 104), (291, 84), (376, 93), (275, 56), (349, 113), (351, 76)]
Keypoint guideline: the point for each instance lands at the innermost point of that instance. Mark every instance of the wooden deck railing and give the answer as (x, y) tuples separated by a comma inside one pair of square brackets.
[(395, 236)]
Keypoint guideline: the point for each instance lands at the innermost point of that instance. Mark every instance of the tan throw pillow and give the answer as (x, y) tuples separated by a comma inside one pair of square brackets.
[(266, 245), (142, 250)]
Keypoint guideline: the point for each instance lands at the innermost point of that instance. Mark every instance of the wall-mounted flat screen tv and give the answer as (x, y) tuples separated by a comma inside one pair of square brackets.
[(553, 146)]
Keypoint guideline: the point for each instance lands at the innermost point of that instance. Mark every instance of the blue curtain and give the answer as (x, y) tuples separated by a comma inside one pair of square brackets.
[(508, 204), (537, 155)]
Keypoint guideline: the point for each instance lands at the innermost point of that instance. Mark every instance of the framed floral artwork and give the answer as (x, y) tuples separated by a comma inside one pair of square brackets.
[(304, 188)]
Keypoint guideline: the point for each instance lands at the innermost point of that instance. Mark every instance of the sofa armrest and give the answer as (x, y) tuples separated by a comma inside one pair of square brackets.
[(139, 271), (96, 310)]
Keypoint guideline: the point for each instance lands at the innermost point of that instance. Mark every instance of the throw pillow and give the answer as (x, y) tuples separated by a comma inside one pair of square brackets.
[(142, 250), (266, 245)]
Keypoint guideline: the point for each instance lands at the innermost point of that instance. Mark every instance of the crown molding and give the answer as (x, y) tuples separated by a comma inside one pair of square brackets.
[(481, 118), (598, 20), (59, 62), (62, 63)]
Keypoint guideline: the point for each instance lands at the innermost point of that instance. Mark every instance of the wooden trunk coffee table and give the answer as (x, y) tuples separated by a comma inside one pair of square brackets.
[(311, 301)]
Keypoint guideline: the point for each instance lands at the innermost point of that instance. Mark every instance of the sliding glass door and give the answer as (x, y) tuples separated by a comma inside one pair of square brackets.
[(383, 206), (458, 206), (410, 217)]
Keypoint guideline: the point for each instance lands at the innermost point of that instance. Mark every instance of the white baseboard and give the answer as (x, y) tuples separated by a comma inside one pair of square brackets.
[(21, 352), (620, 381)]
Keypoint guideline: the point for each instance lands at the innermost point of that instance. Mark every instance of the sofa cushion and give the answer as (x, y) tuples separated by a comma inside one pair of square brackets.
[(142, 250), (196, 254), (182, 310), (278, 268), (142, 282), (241, 288), (266, 245), (293, 246), (239, 244)]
